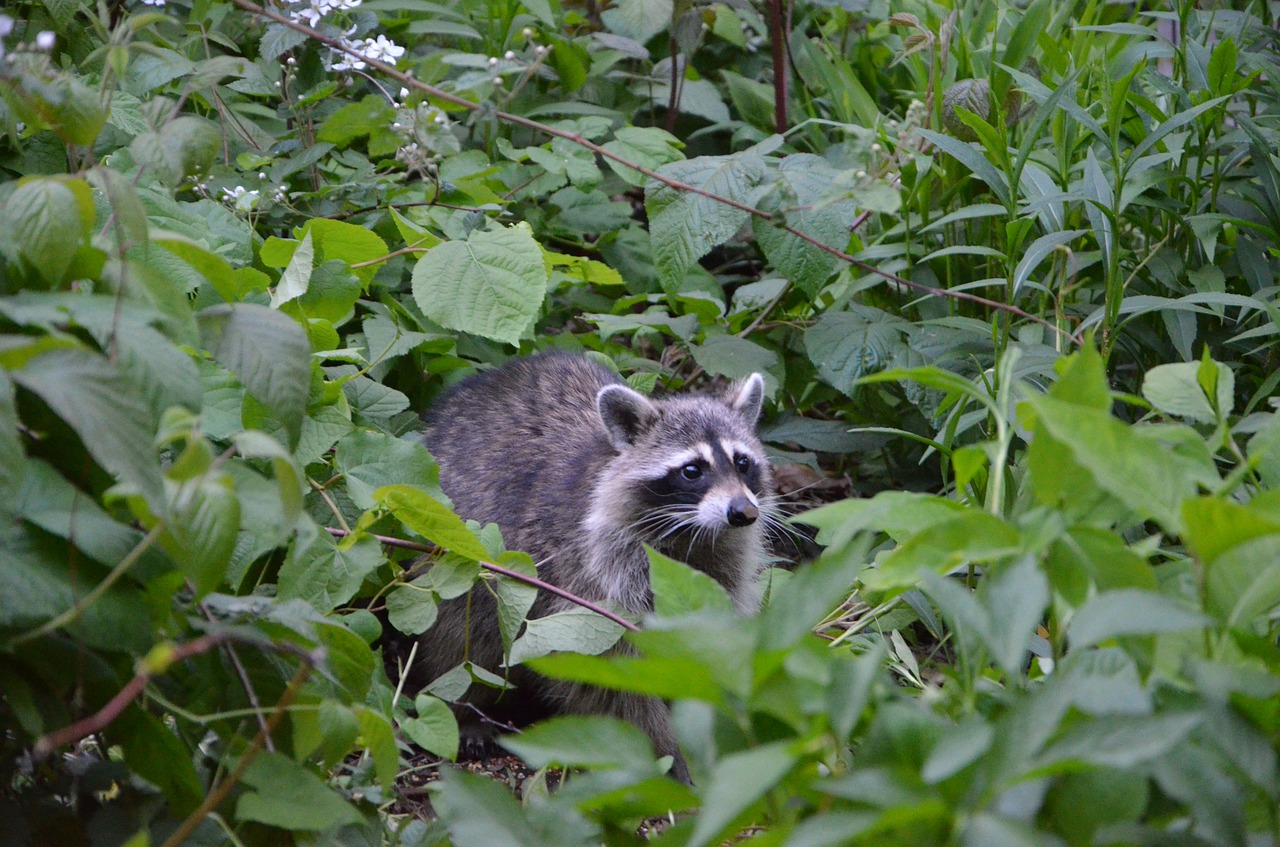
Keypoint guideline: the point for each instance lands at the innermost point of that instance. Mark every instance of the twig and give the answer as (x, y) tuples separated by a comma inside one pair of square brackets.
[(675, 184), (243, 676), (507, 572)]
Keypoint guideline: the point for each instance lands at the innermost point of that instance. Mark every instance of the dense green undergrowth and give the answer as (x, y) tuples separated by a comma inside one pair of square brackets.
[(1009, 269)]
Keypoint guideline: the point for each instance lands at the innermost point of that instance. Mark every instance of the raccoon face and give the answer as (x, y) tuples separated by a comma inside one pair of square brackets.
[(695, 464)]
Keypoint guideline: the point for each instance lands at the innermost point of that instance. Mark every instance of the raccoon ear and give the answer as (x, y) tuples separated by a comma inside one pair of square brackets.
[(747, 397), (626, 414)]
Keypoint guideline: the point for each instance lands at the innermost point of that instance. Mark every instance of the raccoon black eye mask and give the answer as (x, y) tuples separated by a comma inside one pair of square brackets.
[(580, 471)]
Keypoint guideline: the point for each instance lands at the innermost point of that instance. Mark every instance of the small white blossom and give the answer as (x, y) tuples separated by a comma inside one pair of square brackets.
[(6, 25), (497, 80), (509, 55), (404, 94), (45, 40), (241, 198), (153, 2), (527, 32), (493, 61)]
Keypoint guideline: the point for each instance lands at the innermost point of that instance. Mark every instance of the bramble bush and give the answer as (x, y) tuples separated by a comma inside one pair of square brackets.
[(1009, 269)]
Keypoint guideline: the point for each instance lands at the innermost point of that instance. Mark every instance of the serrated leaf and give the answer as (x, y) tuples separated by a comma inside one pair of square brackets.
[(268, 352), (685, 226), (849, 345), (344, 242), (806, 196), (371, 460), (645, 18), (648, 146), (44, 226), (736, 358), (491, 285), (200, 528), (327, 573), (293, 282)]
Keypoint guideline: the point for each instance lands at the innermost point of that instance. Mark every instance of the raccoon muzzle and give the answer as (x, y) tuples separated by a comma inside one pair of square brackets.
[(742, 512)]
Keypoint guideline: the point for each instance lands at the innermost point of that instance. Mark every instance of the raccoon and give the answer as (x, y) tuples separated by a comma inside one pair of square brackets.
[(579, 470)]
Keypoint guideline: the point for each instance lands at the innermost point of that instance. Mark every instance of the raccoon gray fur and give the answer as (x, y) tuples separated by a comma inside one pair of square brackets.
[(578, 470)]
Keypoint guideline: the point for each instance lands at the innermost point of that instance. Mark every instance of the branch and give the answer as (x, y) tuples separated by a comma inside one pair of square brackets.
[(507, 572), (408, 80)]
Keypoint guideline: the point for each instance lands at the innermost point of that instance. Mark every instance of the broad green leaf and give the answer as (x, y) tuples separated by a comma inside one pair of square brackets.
[(848, 345), (647, 146), (106, 411), (435, 729), (972, 537), (431, 519), (491, 285), (678, 588), (326, 572), (344, 242), (371, 460), (1175, 390), (379, 739), (411, 608), (480, 812), (1130, 464), (1015, 598), (184, 147), (958, 749), (1114, 614), (45, 224), (285, 794), (808, 200), (1080, 803), (685, 226), (595, 742), (667, 678), (268, 352), (576, 630), (737, 783), (200, 528), (645, 18), (43, 96)]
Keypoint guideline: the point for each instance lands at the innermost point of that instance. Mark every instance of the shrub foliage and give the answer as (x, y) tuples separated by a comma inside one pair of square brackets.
[(1009, 268)]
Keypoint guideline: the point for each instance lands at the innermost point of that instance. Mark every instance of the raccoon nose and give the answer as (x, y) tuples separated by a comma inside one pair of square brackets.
[(742, 512)]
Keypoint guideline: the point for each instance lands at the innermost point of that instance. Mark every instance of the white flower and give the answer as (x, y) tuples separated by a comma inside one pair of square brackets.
[(45, 40), (241, 198), (6, 25), (153, 2)]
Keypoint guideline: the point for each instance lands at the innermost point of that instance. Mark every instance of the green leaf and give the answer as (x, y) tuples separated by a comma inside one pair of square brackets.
[(105, 410), (737, 783), (268, 352), (380, 741), (684, 226), (575, 630), (1130, 612), (669, 678), (594, 742), (430, 519), (901, 514), (848, 345), (1175, 390), (1122, 741), (371, 460), (1130, 464), (412, 609), (648, 146), (973, 160), (185, 147), (344, 242), (44, 224), (1038, 251), (13, 460), (645, 18), (972, 537), (200, 528), (679, 589), (481, 812), (491, 285), (808, 195), (355, 120), (435, 729), (958, 749), (327, 573), (286, 795)]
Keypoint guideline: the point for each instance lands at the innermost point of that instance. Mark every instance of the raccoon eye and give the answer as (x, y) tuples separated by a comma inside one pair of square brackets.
[(691, 471), (743, 464)]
